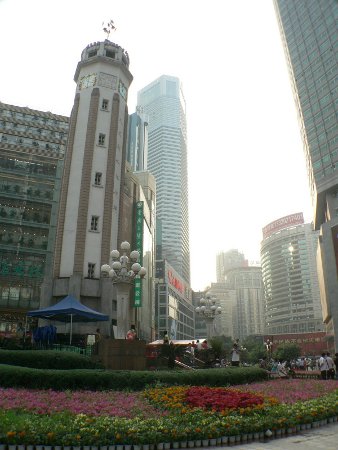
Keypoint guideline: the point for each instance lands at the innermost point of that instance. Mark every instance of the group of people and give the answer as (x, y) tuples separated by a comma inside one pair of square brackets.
[(327, 366), (195, 347)]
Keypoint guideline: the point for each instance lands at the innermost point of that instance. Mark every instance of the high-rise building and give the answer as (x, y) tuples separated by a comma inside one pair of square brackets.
[(291, 290), (174, 307), (228, 260), (137, 148), (163, 103), (245, 287), (309, 34), (32, 147)]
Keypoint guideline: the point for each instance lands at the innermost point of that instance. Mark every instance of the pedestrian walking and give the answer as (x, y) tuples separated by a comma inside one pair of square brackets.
[(323, 366), (330, 364)]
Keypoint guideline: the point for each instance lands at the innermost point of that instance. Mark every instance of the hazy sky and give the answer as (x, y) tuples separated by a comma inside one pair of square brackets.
[(246, 163)]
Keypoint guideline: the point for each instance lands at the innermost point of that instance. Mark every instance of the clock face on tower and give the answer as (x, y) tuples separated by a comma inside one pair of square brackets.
[(122, 90), (87, 81)]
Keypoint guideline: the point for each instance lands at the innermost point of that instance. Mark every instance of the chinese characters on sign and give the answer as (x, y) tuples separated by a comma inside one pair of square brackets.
[(139, 248), (297, 341), (283, 222)]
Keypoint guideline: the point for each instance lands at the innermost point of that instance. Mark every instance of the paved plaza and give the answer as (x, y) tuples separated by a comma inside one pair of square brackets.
[(323, 438)]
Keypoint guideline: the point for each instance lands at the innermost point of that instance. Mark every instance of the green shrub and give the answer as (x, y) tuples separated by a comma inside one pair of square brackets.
[(14, 376), (47, 359)]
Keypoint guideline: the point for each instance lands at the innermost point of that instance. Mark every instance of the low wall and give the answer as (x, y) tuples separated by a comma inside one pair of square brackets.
[(122, 354)]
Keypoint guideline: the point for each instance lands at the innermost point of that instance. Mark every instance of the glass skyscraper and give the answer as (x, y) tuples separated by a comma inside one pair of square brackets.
[(309, 34), (137, 147), (163, 103)]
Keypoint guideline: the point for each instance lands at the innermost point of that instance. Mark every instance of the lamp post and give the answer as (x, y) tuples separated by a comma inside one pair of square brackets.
[(268, 346), (208, 311), (123, 270)]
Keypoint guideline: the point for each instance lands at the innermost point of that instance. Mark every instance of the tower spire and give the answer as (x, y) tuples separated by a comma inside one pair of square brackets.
[(108, 28)]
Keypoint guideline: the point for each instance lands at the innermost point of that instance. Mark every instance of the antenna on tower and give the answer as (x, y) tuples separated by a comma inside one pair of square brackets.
[(108, 28)]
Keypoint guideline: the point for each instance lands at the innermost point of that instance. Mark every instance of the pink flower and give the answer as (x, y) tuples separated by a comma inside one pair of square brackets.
[(109, 403)]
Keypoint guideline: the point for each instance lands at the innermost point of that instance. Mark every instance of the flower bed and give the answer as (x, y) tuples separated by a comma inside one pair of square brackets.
[(155, 416), (105, 403)]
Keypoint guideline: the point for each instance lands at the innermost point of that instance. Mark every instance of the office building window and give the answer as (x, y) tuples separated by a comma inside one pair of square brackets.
[(105, 104), (94, 224), (98, 179), (91, 270), (102, 138)]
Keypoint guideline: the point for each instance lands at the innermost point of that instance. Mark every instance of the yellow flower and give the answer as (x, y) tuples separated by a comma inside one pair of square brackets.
[(11, 434)]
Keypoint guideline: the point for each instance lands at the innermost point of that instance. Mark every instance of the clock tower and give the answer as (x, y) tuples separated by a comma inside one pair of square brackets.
[(92, 185)]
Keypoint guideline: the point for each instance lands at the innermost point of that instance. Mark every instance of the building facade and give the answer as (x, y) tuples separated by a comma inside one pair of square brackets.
[(163, 103), (228, 260), (145, 312), (175, 312), (309, 34), (246, 297), (137, 148), (223, 323), (32, 148), (291, 288)]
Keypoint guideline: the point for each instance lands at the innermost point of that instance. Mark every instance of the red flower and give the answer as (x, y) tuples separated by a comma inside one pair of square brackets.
[(220, 399)]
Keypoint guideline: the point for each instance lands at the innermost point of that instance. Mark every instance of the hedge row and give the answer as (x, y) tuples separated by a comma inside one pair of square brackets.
[(14, 376), (47, 359)]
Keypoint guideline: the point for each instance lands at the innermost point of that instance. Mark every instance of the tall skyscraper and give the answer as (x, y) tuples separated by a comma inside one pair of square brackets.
[(291, 290), (32, 148), (309, 34), (163, 102), (137, 148)]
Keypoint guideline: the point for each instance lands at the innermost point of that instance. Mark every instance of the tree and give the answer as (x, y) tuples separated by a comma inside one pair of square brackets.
[(287, 352), (255, 349), (217, 345)]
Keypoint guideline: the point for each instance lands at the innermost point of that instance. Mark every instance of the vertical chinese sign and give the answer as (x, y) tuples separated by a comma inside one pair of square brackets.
[(139, 248)]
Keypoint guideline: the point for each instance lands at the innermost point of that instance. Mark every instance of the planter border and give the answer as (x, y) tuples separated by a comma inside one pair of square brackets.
[(224, 440)]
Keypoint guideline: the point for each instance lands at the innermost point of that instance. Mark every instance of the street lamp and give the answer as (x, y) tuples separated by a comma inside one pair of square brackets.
[(268, 346), (208, 311), (123, 270)]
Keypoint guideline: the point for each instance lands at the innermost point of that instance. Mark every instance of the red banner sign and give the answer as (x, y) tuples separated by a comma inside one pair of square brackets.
[(283, 222), (175, 282)]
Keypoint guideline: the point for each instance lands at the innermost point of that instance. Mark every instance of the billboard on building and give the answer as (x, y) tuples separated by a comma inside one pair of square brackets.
[(139, 248), (282, 223), (311, 344)]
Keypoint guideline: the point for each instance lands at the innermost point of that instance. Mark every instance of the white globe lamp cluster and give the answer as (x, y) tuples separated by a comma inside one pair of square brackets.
[(208, 311), (123, 269)]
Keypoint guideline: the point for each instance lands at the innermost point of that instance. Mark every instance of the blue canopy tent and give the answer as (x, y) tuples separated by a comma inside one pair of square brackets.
[(69, 309)]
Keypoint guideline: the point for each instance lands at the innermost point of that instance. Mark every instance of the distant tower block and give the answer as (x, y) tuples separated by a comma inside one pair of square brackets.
[(90, 205)]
